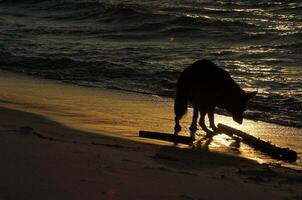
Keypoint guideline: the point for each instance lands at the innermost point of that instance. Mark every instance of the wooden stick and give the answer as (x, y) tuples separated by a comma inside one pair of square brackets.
[(276, 152), (166, 137)]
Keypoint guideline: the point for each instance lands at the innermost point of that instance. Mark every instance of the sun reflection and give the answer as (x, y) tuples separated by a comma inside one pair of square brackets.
[(197, 16), (222, 139)]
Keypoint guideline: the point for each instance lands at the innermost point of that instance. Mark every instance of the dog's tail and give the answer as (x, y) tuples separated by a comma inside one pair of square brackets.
[(181, 99)]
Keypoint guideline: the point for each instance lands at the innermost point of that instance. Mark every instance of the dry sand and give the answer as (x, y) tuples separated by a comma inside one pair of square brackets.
[(42, 159)]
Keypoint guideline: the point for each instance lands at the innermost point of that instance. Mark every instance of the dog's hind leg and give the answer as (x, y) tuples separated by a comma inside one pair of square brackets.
[(202, 123), (193, 127), (211, 120), (177, 126)]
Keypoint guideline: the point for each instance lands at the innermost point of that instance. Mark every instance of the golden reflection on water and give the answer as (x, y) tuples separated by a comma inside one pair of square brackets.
[(197, 16), (273, 22)]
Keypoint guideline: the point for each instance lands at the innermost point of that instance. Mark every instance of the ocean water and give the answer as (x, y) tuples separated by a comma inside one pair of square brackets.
[(142, 46)]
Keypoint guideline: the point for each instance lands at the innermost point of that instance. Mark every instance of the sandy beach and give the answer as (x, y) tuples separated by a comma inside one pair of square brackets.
[(41, 159), (80, 81), (50, 150)]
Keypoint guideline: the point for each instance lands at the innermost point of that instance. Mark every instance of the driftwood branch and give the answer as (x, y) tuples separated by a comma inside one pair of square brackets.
[(266, 147)]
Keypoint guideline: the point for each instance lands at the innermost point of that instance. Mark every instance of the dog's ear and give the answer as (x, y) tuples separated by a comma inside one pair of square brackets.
[(249, 95)]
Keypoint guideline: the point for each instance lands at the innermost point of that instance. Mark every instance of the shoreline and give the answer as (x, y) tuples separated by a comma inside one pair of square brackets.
[(41, 158)]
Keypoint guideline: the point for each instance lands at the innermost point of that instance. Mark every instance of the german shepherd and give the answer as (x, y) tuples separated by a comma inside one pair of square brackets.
[(204, 85)]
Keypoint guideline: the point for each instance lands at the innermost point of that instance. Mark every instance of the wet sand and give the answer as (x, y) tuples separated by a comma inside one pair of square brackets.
[(77, 156)]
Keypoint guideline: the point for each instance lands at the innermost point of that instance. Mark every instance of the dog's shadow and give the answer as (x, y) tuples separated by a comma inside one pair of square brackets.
[(198, 156), (203, 142)]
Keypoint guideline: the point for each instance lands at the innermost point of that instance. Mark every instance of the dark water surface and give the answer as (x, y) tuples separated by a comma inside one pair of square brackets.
[(143, 45)]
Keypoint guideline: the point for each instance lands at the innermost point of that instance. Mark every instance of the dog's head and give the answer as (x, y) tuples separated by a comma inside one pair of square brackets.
[(239, 107)]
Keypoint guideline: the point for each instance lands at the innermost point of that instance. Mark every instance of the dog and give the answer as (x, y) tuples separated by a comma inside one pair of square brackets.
[(205, 86)]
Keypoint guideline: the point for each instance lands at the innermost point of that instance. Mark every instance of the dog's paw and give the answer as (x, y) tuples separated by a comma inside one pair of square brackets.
[(193, 128), (177, 128), (215, 129), (210, 133)]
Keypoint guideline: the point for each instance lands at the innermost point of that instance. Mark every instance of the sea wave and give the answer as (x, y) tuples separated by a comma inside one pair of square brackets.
[(276, 108), (142, 46)]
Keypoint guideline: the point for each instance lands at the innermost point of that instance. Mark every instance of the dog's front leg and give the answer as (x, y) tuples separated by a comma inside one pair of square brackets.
[(202, 123), (211, 119)]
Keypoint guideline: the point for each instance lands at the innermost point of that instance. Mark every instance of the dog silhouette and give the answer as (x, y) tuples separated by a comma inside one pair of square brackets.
[(205, 86)]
